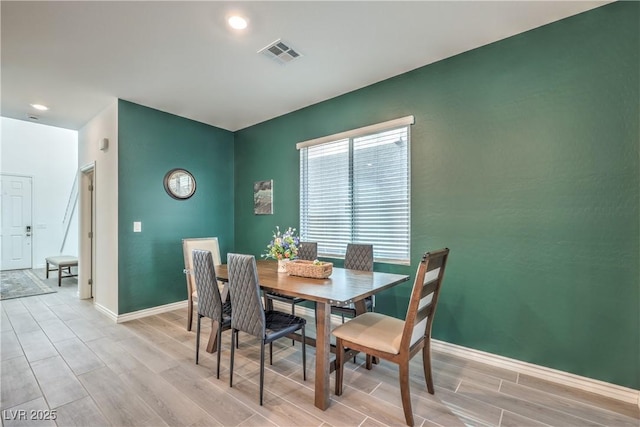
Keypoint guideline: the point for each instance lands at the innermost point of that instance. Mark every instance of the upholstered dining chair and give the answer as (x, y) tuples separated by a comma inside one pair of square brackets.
[(357, 257), (308, 251), (210, 302), (393, 339), (188, 245), (250, 317)]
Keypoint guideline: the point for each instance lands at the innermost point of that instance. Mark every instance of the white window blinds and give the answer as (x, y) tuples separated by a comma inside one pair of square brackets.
[(356, 190)]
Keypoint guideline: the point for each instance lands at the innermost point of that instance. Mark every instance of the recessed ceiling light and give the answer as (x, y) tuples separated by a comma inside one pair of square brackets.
[(40, 107), (237, 22)]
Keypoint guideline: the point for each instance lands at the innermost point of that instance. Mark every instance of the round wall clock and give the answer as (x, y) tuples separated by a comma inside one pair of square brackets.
[(180, 184)]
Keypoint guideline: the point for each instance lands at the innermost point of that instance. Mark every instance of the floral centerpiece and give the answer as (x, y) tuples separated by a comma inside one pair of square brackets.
[(283, 247)]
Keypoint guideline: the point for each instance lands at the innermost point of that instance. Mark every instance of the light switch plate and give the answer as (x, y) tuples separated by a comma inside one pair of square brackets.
[(137, 226)]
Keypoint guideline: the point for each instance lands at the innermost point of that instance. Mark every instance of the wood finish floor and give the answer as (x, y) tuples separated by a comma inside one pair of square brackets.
[(59, 353)]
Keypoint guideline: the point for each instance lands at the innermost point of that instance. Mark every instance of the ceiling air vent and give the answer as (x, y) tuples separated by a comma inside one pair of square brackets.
[(280, 52)]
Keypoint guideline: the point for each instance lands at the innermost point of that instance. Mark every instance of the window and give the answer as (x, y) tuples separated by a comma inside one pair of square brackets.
[(354, 188)]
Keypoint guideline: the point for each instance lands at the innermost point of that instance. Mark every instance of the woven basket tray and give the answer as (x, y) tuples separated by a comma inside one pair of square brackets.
[(304, 268)]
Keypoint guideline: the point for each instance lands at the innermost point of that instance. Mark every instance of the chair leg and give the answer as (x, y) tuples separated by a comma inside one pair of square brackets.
[(304, 356), (355, 356), (339, 365), (233, 342), (261, 371), (197, 338), (189, 314), (405, 393), (237, 339), (219, 348), (268, 303), (271, 353), (426, 364), (293, 313)]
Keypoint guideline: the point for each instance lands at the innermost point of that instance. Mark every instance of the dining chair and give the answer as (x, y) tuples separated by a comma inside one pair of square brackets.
[(210, 302), (308, 251), (396, 340), (357, 257), (188, 245), (249, 316)]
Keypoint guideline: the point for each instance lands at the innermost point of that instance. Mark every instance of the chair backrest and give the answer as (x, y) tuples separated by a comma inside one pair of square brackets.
[(424, 297), (203, 243), (204, 275), (359, 257), (248, 314), (308, 251)]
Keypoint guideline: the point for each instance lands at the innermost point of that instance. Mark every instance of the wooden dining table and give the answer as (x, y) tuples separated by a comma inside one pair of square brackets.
[(342, 288)]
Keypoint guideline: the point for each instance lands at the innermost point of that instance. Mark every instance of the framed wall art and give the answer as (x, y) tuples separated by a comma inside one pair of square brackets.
[(263, 197)]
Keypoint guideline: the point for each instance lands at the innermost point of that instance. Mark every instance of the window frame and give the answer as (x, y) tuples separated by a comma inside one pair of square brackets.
[(351, 136)]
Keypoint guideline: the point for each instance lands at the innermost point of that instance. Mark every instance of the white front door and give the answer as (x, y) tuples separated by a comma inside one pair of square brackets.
[(16, 222)]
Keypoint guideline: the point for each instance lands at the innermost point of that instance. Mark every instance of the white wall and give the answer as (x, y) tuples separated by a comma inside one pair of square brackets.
[(105, 277), (50, 156)]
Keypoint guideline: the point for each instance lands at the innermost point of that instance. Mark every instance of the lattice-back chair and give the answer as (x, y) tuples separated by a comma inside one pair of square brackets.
[(308, 251), (357, 257), (209, 300), (395, 340), (250, 317), (188, 245)]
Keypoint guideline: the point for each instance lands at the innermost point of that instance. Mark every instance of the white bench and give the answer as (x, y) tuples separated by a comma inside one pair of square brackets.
[(61, 262)]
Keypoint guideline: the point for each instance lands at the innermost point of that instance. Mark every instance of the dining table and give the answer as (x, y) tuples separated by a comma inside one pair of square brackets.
[(342, 288)]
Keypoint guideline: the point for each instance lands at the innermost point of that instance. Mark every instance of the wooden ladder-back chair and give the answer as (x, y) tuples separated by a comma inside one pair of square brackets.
[(188, 245), (393, 339)]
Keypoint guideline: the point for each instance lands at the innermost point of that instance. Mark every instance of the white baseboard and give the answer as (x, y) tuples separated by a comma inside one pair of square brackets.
[(120, 318), (150, 311), (591, 385), (110, 314)]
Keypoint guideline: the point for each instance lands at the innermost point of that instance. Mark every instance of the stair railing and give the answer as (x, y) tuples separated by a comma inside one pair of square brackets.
[(68, 213)]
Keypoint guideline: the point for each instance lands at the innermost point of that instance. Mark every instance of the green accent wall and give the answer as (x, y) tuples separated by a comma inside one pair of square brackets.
[(151, 143), (525, 163)]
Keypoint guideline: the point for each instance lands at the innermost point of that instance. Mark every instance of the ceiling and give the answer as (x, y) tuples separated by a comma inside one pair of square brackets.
[(182, 58)]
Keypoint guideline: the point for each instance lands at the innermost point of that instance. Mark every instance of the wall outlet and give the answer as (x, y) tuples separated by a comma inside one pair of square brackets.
[(137, 226)]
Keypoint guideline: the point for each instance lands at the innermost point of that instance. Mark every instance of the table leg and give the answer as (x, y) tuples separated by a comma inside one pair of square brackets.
[(212, 345), (323, 352)]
